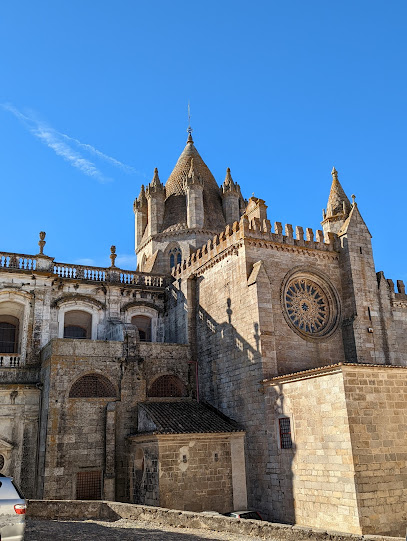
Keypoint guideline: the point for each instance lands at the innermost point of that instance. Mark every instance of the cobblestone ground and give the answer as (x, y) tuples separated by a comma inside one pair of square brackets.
[(121, 530)]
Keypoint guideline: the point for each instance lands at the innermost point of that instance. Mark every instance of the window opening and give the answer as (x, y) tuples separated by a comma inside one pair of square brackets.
[(143, 324), (89, 485), (8, 336), (285, 433), (167, 387), (78, 325), (92, 386), (74, 331), (175, 256)]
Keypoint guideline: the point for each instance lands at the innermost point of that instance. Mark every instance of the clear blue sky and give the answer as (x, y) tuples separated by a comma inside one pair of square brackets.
[(280, 91)]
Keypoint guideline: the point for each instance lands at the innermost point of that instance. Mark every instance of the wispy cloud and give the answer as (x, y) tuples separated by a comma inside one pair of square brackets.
[(58, 142), (126, 261)]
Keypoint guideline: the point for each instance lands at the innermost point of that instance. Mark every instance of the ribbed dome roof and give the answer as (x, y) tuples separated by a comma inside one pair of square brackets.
[(175, 204)]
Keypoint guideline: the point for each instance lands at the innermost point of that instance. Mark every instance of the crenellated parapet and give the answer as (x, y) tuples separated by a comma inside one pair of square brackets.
[(260, 232)]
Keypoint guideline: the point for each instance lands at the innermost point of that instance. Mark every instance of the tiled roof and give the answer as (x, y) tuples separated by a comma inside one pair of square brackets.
[(185, 417)]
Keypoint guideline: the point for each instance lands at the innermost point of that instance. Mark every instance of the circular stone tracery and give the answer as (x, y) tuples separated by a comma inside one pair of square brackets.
[(306, 305), (310, 305)]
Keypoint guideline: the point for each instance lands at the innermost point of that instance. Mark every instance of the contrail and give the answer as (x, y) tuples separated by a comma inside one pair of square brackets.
[(57, 141)]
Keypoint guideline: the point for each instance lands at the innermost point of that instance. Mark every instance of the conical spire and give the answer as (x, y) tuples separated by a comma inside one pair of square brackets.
[(338, 203), (142, 195), (156, 179), (229, 186), (141, 200), (155, 185), (193, 176), (228, 179)]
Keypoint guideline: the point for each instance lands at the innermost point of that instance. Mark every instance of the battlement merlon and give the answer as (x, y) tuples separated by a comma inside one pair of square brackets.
[(259, 231)]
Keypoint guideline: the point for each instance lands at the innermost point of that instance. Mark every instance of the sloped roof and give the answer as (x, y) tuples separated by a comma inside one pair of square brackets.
[(175, 204), (187, 417)]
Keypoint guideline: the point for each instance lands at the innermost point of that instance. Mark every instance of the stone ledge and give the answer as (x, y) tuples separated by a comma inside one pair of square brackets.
[(104, 510)]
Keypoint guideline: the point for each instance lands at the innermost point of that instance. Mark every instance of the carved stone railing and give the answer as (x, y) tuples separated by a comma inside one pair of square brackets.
[(23, 262), (10, 361), (17, 261)]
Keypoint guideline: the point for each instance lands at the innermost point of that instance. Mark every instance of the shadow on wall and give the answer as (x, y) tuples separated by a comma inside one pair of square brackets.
[(230, 375)]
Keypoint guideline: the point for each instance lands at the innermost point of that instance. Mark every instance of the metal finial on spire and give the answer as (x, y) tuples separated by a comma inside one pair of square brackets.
[(189, 130)]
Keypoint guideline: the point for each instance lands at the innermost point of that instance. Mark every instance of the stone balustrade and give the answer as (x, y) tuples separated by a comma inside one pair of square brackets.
[(17, 261), (22, 262), (10, 361)]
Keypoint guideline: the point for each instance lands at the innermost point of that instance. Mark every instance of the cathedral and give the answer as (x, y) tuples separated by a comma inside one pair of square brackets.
[(243, 364)]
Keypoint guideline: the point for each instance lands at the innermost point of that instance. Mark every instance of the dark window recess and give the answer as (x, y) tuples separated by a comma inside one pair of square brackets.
[(360, 248), (1, 462), (143, 324), (74, 331), (92, 386), (285, 433), (89, 485), (369, 314), (167, 386), (7, 337)]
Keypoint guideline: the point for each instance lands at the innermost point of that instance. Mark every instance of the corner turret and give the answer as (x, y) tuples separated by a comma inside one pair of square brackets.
[(338, 207), (155, 195), (231, 199), (140, 208)]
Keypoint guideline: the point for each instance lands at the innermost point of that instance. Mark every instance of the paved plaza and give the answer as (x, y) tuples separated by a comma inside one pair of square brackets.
[(120, 530)]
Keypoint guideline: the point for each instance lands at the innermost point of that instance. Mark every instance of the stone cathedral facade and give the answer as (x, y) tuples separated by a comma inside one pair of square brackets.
[(243, 364)]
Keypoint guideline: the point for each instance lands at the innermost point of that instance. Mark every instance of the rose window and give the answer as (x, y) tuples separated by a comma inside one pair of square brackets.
[(306, 305), (310, 305)]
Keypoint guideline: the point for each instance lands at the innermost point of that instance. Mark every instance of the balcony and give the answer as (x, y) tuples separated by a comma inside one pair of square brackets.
[(13, 262), (10, 360)]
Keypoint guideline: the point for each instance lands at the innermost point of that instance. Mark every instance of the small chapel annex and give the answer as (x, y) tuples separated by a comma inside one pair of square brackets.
[(243, 364)]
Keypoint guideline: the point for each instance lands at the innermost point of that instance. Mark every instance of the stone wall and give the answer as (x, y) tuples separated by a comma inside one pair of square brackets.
[(75, 436), (347, 468), (20, 405), (376, 400), (103, 510), (195, 471), (313, 482)]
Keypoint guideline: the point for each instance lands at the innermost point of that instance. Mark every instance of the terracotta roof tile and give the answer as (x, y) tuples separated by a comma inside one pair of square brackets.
[(185, 417)]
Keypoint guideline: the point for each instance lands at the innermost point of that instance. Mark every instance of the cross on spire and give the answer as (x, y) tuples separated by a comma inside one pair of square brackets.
[(189, 130)]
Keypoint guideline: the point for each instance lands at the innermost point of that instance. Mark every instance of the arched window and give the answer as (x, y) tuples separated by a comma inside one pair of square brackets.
[(143, 324), (92, 386), (77, 324), (175, 256), (8, 334), (167, 387)]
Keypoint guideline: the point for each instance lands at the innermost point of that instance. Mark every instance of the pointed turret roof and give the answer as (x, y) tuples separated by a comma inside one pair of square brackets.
[(176, 187), (156, 179), (338, 202), (175, 182)]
